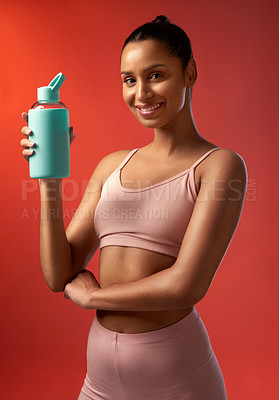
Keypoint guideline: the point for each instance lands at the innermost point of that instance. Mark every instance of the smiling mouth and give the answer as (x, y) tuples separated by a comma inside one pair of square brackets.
[(148, 110)]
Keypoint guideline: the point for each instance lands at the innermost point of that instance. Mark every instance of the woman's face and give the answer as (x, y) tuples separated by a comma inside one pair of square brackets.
[(153, 83)]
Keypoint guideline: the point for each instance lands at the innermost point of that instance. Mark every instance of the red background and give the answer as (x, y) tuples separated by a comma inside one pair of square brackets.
[(43, 337)]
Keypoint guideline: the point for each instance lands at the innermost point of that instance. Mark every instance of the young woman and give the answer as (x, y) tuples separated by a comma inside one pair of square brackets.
[(163, 216)]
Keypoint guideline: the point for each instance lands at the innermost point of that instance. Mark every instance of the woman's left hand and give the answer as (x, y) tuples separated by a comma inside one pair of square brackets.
[(80, 288)]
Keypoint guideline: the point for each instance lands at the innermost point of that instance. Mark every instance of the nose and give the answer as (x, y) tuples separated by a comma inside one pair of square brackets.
[(143, 91)]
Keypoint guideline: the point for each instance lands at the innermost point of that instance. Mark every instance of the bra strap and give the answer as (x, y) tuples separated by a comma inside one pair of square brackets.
[(126, 159), (204, 156), (129, 155)]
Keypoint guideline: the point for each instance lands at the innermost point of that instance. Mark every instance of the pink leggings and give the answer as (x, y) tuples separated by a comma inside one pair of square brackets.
[(172, 363)]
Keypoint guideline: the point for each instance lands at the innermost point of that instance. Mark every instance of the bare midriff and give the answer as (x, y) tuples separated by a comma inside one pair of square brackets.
[(119, 264)]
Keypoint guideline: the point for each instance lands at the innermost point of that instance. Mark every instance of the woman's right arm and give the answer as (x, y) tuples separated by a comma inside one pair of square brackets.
[(55, 250), (64, 254)]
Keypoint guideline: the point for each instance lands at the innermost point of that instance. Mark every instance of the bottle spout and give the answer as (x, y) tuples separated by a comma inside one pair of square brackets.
[(57, 82), (51, 92)]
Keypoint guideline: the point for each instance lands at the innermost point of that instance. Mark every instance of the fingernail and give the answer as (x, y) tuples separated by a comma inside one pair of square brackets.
[(28, 131), (29, 152), (30, 143)]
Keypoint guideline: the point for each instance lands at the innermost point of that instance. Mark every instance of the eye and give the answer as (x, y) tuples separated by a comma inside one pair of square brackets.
[(129, 81), (156, 74)]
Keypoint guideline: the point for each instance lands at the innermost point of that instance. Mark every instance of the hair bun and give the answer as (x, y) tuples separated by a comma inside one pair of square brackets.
[(161, 19)]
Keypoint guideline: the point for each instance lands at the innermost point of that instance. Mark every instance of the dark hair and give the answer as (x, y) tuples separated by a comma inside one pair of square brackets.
[(175, 40)]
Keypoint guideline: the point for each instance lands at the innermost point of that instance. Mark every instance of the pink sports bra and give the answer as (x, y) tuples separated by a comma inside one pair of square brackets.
[(153, 218)]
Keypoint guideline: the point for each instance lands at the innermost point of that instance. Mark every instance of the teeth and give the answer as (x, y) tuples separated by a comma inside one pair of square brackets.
[(150, 109)]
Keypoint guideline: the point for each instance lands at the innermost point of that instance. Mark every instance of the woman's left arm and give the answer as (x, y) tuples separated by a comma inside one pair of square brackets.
[(212, 225)]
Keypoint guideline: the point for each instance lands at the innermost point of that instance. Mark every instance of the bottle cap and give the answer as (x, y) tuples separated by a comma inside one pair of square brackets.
[(51, 92)]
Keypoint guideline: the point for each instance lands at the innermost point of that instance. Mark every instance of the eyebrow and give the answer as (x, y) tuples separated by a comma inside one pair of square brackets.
[(146, 69)]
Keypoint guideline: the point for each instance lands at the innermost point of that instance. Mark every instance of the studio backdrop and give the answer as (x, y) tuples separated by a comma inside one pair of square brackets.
[(235, 105)]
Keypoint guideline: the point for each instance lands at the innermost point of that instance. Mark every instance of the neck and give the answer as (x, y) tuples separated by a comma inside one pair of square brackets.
[(177, 136)]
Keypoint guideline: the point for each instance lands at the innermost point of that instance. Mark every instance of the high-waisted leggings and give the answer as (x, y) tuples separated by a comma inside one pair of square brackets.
[(173, 363)]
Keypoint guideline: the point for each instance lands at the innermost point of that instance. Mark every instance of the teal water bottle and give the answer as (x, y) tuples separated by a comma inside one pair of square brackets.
[(48, 120)]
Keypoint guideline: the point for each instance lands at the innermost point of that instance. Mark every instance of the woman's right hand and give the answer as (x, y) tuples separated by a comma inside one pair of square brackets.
[(28, 144)]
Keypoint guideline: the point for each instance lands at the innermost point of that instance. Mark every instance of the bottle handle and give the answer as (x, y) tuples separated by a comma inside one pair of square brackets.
[(57, 82)]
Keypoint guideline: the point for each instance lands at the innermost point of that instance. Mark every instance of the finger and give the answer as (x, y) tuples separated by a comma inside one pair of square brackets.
[(66, 296), (26, 143), (72, 135), (26, 131), (27, 153), (25, 116), (65, 293)]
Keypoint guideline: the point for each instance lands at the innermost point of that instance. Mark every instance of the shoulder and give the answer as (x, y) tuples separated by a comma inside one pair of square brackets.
[(116, 156), (225, 162), (224, 173), (113, 160), (108, 164)]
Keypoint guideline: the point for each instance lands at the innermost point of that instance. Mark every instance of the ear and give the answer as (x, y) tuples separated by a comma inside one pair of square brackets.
[(191, 73)]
